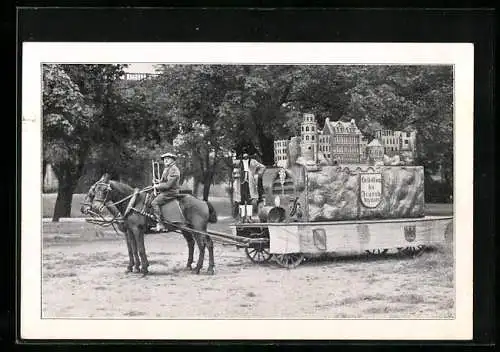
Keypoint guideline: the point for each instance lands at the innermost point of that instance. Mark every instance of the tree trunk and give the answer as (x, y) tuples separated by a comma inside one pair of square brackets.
[(67, 184), (267, 148), (44, 173), (207, 182), (67, 174), (196, 186), (231, 186)]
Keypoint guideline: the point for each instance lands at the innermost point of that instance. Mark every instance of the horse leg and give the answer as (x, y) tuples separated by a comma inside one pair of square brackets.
[(133, 245), (210, 245), (130, 253), (139, 238), (201, 256), (190, 242)]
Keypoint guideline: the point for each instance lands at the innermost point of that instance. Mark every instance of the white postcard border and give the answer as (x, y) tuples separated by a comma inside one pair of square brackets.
[(34, 53)]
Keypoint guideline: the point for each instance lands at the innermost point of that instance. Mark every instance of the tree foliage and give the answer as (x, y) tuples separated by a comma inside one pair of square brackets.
[(81, 110), (209, 112)]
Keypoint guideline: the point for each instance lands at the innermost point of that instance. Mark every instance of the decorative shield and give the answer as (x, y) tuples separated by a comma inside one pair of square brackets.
[(410, 233), (370, 189), (319, 238)]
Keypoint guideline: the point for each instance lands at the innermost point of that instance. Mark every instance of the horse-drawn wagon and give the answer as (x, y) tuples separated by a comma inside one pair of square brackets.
[(306, 211), (309, 211)]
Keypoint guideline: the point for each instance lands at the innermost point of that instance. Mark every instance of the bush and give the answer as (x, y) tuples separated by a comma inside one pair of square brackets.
[(437, 191)]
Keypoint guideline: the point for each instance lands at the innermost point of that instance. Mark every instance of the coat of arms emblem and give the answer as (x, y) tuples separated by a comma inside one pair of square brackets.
[(370, 189), (319, 238), (410, 233)]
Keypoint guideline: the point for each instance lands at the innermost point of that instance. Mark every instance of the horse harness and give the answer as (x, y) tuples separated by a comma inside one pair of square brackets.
[(146, 206), (119, 218)]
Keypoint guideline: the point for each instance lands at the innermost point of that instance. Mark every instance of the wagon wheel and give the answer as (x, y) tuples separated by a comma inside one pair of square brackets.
[(376, 251), (258, 255), (290, 260)]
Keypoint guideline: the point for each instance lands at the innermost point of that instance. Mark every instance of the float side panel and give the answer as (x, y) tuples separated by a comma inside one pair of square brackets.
[(284, 239), (369, 236)]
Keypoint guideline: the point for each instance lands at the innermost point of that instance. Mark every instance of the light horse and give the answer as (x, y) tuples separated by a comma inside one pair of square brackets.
[(115, 195)]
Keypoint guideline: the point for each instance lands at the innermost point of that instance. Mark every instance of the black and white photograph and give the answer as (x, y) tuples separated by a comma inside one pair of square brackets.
[(233, 190)]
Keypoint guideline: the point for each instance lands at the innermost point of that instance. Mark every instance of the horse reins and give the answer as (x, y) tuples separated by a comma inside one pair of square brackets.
[(111, 222)]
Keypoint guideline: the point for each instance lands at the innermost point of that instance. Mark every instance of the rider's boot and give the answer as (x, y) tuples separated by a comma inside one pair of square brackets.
[(159, 219)]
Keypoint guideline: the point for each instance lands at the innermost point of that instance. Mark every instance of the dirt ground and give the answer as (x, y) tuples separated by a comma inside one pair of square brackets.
[(83, 276)]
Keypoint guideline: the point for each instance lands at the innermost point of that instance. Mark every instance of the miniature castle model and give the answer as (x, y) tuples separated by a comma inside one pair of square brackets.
[(397, 143), (343, 143)]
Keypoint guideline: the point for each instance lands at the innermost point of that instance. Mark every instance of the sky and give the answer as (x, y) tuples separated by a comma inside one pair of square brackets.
[(140, 68)]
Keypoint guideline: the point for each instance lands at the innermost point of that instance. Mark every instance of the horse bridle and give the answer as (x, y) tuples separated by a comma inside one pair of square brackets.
[(96, 216), (103, 201)]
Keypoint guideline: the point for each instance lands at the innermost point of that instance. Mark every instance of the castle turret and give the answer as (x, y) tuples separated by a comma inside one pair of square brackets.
[(309, 134)]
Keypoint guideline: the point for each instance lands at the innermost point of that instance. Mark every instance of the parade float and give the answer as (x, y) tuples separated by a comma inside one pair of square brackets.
[(317, 201)]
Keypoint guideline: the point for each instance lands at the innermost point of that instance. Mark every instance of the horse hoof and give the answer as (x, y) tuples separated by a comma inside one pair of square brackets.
[(137, 270), (210, 272), (189, 268), (196, 271), (129, 270)]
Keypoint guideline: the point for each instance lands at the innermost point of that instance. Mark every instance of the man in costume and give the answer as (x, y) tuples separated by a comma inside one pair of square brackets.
[(167, 187), (250, 170)]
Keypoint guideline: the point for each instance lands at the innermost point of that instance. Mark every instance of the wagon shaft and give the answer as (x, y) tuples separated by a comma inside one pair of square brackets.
[(220, 237)]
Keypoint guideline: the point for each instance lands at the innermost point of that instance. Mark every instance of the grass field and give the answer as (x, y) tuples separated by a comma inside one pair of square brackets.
[(83, 265), (85, 279)]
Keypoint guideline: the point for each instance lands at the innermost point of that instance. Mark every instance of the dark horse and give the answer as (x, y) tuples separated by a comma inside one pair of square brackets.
[(113, 194)]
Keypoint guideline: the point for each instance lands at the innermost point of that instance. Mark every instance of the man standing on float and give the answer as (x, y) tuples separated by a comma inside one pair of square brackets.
[(250, 171)]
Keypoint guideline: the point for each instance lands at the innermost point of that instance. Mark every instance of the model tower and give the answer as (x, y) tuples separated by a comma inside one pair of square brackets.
[(309, 134)]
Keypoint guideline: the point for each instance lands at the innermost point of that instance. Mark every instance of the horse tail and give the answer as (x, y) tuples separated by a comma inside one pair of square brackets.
[(212, 214)]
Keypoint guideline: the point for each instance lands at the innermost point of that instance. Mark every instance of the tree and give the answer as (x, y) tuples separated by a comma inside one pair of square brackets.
[(65, 115), (80, 114), (247, 107), (194, 94), (414, 97)]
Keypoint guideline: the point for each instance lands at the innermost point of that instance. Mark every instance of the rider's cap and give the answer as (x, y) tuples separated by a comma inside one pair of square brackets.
[(169, 155)]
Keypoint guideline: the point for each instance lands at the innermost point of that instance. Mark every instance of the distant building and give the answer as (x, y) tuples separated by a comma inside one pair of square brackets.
[(137, 76)]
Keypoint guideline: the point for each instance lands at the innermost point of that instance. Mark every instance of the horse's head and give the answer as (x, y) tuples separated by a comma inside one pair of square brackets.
[(97, 196)]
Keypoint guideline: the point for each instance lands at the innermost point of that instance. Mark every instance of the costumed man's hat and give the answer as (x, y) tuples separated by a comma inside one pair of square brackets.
[(169, 155)]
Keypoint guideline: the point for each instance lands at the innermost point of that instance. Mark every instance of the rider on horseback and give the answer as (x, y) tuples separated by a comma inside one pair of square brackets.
[(167, 186)]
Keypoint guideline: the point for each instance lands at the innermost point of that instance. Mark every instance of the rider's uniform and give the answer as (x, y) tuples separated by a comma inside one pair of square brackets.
[(168, 187)]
